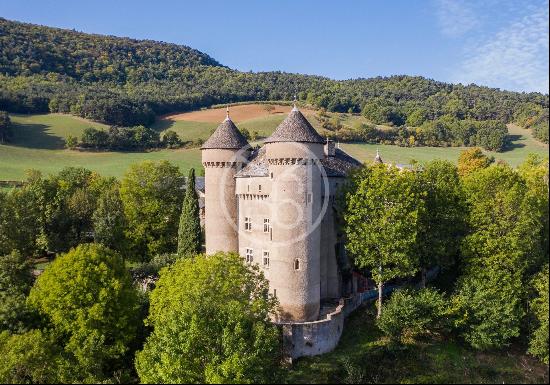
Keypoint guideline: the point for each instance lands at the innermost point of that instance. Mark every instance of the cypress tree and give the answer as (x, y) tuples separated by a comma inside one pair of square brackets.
[(189, 233)]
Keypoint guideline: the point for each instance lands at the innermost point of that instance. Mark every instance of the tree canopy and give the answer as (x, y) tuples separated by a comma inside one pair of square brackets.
[(152, 197), (210, 320), (88, 301), (383, 206)]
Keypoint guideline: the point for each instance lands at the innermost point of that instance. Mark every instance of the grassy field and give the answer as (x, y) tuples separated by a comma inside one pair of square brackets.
[(39, 144), (39, 140), (365, 356)]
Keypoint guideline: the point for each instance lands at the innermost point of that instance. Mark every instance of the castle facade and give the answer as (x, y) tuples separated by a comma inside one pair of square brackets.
[(275, 206)]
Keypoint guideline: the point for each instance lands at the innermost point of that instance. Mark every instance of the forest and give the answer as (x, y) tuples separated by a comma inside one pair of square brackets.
[(126, 82)]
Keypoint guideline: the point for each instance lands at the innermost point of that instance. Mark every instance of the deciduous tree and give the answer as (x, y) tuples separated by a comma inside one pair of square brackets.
[(383, 206), (210, 319), (152, 197), (471, 160), (88, 300)]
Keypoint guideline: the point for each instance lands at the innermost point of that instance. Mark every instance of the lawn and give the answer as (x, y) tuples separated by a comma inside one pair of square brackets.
[(39, 144), (365, 356)]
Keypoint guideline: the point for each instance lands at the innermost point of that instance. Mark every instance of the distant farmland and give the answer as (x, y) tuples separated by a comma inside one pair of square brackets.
[(39, 142)]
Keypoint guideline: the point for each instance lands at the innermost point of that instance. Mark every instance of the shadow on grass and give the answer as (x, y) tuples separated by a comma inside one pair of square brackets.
[(162, 124), (36, 136), (514, 142)]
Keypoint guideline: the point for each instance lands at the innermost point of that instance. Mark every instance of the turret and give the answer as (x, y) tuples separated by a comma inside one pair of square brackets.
[(223, 155), (378, 158), (293, 153)]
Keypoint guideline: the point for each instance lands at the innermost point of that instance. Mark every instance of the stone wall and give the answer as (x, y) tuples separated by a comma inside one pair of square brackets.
[(318, 337), (313, 338)]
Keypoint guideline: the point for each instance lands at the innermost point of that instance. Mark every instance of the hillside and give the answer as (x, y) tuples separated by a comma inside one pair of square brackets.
[(28, 49), (125, 82), (39, 142)]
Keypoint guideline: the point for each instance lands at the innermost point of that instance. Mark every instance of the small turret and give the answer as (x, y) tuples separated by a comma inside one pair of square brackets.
[(378, 158), (223, 155)]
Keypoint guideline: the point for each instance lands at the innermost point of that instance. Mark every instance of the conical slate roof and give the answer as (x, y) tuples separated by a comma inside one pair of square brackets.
[(295, 128), (226, 136)]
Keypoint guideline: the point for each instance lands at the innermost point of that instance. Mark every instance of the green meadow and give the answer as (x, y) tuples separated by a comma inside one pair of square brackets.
[(39, 144), (39, 140)]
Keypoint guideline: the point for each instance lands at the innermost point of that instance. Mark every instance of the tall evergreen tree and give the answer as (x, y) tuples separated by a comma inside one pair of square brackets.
[(189, 234)]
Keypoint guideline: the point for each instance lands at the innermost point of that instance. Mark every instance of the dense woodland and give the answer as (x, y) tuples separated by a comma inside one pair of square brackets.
[(127, 82)]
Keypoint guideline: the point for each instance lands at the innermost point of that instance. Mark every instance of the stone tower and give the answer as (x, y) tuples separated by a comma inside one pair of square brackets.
[(293, 153), (223, 155)]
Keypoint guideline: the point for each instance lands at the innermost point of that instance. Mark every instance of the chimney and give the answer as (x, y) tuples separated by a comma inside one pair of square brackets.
[(329, 148)]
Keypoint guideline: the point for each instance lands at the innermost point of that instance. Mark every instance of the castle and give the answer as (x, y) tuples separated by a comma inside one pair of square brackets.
[(275, 206)]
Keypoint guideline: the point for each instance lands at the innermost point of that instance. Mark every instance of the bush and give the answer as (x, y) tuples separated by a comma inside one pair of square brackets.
[(487, 309), (412, 313), (170, 139)]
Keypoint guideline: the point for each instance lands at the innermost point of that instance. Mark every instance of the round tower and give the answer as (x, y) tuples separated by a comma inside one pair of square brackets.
[(223, 155), (293, 154)]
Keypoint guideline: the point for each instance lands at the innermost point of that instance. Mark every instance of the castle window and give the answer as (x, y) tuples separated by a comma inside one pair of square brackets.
[(266, 225), (249, 255), (296, 264), (248, 223), (260, 188), (271, 175), (308, 198), (248, 188), (266, 258)]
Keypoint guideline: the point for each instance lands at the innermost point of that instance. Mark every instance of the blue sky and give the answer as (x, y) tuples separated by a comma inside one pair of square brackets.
[(498, 43)]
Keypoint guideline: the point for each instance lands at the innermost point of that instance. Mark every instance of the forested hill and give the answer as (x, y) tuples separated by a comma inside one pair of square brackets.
[(29, 49), (126, 82)]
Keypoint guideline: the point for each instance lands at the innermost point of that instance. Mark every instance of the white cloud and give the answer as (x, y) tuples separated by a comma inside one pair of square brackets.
[(455, 17), (515, 58)]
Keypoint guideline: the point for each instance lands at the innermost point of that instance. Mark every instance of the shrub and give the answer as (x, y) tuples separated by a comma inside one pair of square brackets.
[(487, 310), (412, 313)]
